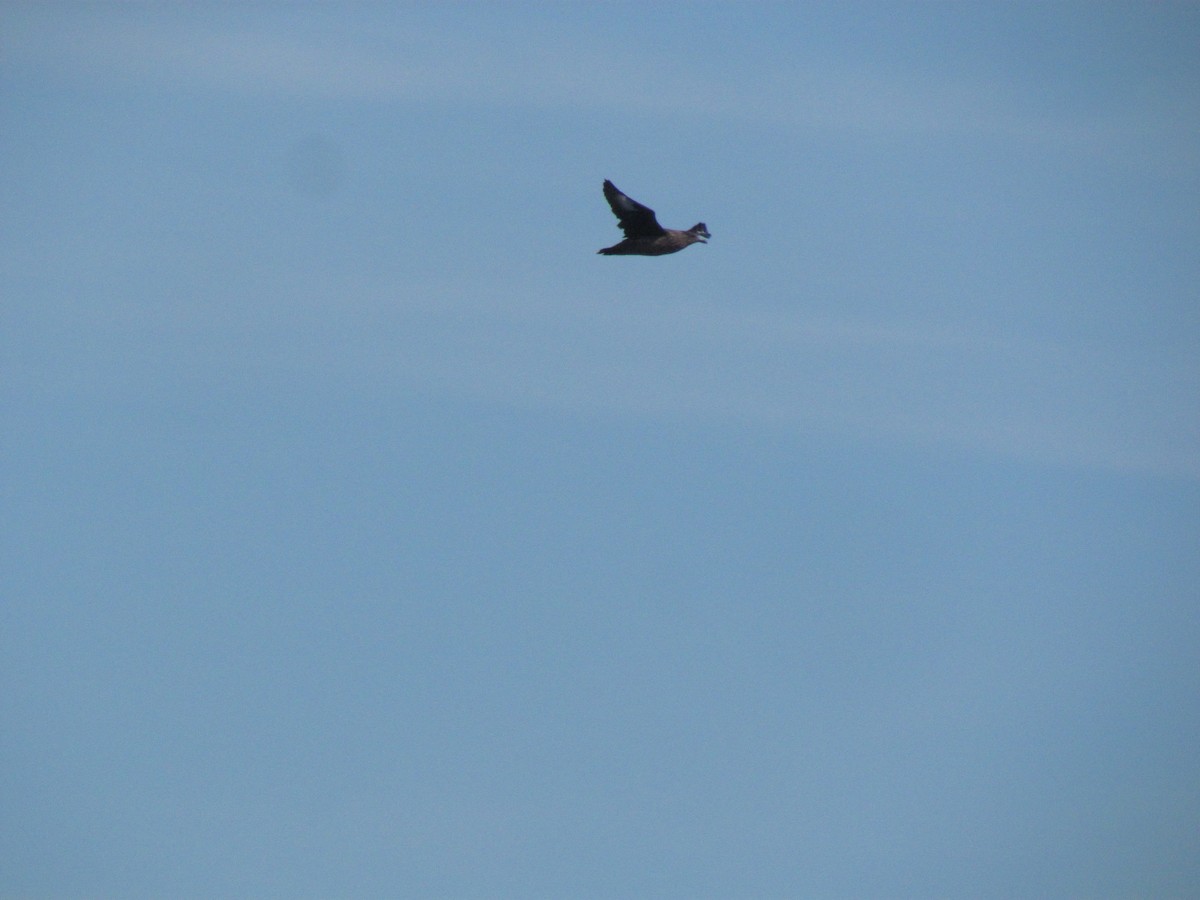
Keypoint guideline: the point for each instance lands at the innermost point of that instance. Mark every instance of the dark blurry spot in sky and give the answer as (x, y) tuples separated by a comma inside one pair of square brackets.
[(315, 166)]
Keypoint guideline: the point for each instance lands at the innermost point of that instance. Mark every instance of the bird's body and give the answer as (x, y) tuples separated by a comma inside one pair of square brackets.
[(643, 235)]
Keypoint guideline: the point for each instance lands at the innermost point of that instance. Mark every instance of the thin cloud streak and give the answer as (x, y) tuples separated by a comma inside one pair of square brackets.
[(948, 387), (974, 393), (963, 392), (434, 67)]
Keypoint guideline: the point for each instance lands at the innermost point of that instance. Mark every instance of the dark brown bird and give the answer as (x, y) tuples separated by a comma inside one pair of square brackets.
[(643, 235)]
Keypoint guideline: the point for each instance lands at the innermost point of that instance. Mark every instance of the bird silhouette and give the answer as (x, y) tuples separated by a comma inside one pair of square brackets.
[(643, 235)]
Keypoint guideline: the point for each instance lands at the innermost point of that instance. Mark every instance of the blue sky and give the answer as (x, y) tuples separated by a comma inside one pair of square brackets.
[(366, 534)]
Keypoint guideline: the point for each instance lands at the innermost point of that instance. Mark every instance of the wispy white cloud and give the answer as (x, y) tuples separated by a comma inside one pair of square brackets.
[(428, 65), (1049, 403), (953, 388)]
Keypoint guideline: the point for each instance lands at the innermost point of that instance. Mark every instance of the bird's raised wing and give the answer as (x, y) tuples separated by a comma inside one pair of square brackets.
[(635, 220)]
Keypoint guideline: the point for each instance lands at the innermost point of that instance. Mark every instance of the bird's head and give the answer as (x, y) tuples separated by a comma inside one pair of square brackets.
[(700, 232)]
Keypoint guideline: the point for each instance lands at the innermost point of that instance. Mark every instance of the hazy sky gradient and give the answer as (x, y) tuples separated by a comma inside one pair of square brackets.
[(366, 534)]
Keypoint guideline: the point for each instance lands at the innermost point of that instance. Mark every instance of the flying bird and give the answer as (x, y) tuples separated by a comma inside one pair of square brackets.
[(643, 235)]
